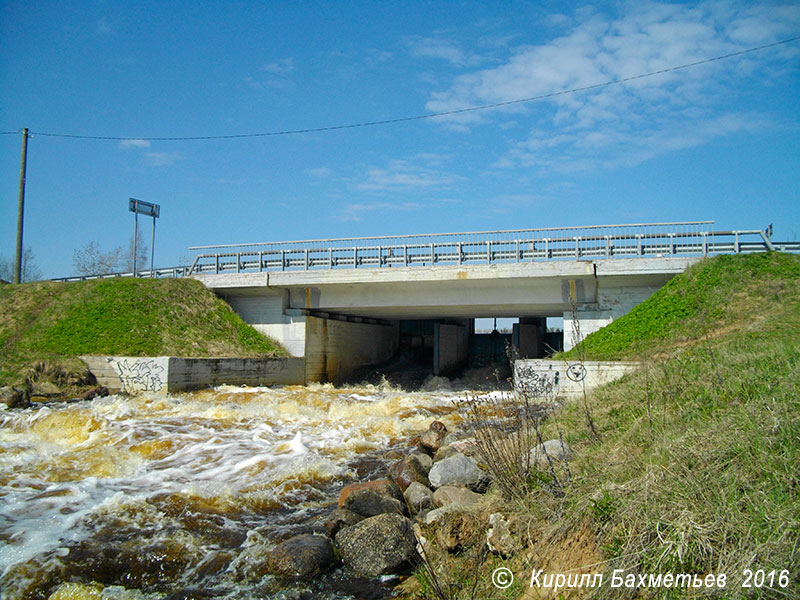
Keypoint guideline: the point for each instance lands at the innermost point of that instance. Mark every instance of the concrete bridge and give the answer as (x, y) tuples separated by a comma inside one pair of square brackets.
[(347, 303)]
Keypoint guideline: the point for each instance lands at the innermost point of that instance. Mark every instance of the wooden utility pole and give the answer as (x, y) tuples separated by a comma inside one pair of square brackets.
[(21, 207)]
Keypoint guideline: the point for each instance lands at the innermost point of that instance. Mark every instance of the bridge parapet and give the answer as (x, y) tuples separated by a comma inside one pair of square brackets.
[(644, 240)]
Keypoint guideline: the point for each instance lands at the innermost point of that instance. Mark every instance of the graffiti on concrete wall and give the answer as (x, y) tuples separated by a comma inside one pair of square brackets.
[(536, 382), (140, 375), (576, 372)]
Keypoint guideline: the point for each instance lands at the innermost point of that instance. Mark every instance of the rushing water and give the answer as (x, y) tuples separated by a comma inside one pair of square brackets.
[(160, 495)]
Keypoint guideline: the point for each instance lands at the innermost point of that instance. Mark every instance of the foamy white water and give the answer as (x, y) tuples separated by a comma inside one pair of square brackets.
[(205, 478)]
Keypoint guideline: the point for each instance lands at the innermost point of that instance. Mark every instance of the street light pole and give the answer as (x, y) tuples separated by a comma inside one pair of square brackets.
[(21, 206)]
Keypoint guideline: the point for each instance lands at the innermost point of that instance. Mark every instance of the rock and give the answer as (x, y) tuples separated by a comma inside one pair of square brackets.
[(557, 450), (341, 517), (457, 531), (455, 436), (438, 426), (97, 391), (444, 452), (15, 397), (418, 497), (369, 502), (302, 556), (378, 546), (430, 441), (424, 459), (408, 470), (384, 486), (461, 496), (499, 538), (465, 446), (457, 470), (438, 515), (45, 388)]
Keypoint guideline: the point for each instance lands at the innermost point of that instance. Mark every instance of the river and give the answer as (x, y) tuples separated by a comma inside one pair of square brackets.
[(181, 496)]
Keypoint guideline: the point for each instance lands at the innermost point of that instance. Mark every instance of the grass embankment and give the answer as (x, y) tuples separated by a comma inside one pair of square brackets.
[(695, 465), (45, 325)]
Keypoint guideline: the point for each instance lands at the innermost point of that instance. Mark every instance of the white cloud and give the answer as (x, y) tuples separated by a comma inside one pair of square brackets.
[(629, 122), (280, 67), (441, 49), (320, 172), (355, 211), (161, 159), (405, 174), (125, 144)]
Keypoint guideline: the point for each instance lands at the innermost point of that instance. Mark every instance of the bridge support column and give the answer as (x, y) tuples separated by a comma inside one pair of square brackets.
[(335, 349), (577, 326), (450, 347), (528, 336)]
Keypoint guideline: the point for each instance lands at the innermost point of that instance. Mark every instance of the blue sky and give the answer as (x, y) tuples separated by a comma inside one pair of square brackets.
[(718, 141)]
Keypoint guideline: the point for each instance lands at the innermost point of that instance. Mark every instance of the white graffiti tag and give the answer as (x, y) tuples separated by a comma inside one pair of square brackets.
[(140, 375)]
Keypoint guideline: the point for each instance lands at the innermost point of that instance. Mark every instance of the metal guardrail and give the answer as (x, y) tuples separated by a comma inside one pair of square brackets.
[(169, 272), (488, 247), (597, 242)]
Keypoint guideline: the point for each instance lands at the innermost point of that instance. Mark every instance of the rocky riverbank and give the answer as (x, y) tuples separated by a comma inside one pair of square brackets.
[(434, 499)]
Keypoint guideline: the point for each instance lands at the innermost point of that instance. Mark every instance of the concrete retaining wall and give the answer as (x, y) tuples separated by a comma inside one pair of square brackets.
[(549, 379), (335, 349), (165, 374)]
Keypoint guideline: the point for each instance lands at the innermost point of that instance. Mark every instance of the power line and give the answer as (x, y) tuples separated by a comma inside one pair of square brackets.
[(415, 117)]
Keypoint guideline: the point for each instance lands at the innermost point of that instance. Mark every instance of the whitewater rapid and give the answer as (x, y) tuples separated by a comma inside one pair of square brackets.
[(156, 493)]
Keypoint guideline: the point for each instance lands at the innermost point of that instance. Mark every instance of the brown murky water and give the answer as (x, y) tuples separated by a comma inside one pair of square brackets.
[(181, 496)]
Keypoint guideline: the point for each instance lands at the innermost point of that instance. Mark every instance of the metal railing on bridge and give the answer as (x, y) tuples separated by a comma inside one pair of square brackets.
[(168, 272), (646, 240)]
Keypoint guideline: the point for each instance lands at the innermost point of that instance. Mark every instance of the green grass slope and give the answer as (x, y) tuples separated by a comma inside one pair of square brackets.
[(50, 321), (729, 290), (696, 465)]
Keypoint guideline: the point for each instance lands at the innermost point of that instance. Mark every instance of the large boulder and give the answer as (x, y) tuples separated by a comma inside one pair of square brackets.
[(418, 498), (430, 441), (372, 501), (451, 494), (341, 517), (15, 397), (377, 546), (408, 470), (558, 451), (382, 486), (302, 556), (458, 470)]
